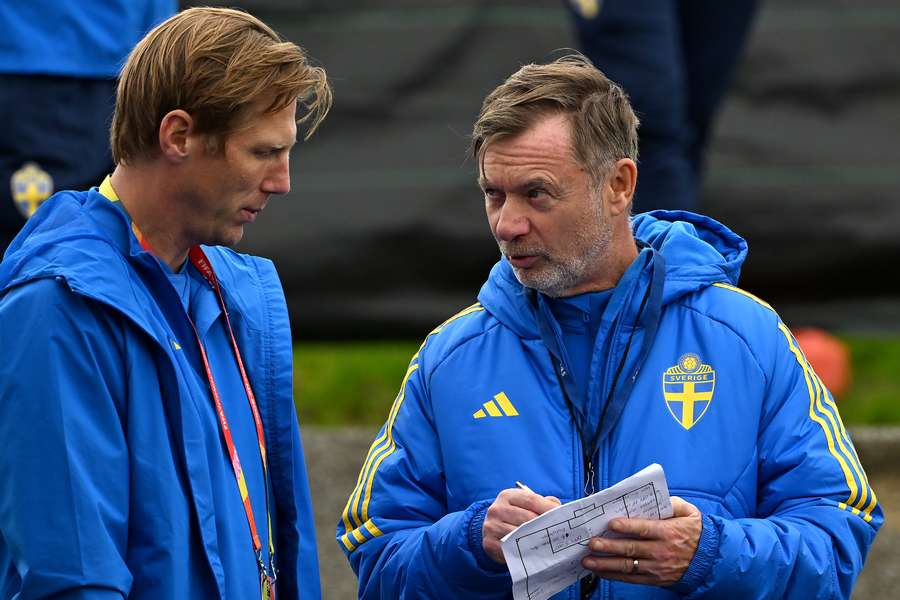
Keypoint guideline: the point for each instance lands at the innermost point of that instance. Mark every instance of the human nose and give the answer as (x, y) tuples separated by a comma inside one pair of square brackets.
[(278, 180), (512, 222)]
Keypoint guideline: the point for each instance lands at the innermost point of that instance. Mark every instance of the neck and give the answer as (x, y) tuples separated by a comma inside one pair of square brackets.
[(623, 252), (147, 199)]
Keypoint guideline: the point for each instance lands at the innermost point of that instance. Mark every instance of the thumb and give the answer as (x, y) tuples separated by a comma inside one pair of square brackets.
[(683, 508)]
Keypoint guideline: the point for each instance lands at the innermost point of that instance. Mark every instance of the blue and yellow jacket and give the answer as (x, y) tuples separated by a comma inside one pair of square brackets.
[(106, 471), (720, 395)]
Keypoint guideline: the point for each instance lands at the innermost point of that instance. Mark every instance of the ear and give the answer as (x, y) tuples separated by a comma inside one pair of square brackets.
[(176, 135), (621, 181)]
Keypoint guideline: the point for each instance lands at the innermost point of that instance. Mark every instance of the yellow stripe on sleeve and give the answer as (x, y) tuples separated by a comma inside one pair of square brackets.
[(345, 540), (377, 447), (838, 428), (815, 391), (357, 534), (371, 528), (364, 516), (373, 450), (382, 447), (857, 464)]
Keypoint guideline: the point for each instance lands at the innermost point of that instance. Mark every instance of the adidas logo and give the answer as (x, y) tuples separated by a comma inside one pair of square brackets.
[(500, 406)]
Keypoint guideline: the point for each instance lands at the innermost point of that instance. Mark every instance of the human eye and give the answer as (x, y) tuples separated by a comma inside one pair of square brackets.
[(492, 194), (539, 196), (265, 152), (536, 192)]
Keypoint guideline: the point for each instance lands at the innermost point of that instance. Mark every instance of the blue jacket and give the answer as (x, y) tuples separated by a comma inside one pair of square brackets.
[(107, 488), (720, 396)]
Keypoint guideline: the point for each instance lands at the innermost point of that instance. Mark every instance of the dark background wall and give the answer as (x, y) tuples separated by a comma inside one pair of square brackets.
[(384, 232)]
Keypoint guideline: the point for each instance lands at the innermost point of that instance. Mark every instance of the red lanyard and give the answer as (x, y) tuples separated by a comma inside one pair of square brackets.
[(267, 576), (199, 260)]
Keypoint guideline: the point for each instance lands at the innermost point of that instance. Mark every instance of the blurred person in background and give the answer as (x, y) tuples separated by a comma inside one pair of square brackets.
[(599, 344), (675, 61), (146, 397), (58, 65)]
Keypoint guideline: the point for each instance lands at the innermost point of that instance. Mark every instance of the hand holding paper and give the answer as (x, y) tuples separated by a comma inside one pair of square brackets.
[(654, 553), (544, 555)]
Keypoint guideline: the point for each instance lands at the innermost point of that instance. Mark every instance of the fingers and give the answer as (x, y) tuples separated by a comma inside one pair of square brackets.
[(651, 552), (529, 500), (622, 569), (682, 508), (628, 548), (646, 529), (511, 508), (508, 514)]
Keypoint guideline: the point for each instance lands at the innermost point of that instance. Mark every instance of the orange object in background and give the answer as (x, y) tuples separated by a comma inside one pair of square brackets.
[(828, 356)]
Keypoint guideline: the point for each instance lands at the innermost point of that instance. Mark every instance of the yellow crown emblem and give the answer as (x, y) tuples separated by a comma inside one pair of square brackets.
[(688, 388)]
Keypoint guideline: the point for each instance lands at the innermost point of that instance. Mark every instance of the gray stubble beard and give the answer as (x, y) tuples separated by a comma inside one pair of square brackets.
[(560, 274)]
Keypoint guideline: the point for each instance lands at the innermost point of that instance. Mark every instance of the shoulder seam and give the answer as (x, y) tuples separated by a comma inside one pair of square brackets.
[(726, 286), (474, 308), (736, 334), (458, 346)]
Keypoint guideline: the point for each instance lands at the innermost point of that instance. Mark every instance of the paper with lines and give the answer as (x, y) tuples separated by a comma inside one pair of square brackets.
[(544, 555)]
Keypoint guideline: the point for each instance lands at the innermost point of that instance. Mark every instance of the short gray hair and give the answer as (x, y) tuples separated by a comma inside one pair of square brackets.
[(604, 126)]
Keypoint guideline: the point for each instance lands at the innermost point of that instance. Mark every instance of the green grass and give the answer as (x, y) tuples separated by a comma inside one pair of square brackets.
[(874, 394), (355, 383), (349, 383)]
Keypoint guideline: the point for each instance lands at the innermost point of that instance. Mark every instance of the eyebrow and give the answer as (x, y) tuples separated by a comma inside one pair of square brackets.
[(276, 147), (531, 183)]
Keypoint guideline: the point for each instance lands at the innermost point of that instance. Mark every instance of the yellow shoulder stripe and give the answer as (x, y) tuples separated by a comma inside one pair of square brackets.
[(466, 311), (355, 516), (828, 418), (726, 286)]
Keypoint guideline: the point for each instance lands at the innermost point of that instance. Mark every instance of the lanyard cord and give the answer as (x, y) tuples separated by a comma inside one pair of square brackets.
[(653, 296), (588, 445), (201, 262)]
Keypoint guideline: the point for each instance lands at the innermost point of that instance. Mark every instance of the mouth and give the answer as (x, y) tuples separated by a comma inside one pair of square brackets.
[(250, 214), (522, 261)]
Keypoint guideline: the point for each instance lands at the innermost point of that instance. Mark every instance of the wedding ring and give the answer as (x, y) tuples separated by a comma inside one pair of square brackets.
[(634, 566)]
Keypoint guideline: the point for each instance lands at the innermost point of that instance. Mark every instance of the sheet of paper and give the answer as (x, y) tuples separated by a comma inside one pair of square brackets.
[(544, 555)]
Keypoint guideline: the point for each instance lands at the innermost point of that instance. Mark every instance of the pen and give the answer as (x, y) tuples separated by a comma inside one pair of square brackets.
[(522, 486)]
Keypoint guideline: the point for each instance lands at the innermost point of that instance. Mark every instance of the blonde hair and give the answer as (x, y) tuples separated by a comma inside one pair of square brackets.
[(212, 63), (604, 126)]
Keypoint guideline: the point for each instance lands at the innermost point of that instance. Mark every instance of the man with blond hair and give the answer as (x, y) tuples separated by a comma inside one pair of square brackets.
[(151, 442), (602, 343)]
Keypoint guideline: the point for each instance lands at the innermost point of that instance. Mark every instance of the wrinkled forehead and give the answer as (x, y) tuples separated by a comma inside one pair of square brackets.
[(545, 145)]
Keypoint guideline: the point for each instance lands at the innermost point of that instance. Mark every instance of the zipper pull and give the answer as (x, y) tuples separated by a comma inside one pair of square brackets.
[(589, 477)]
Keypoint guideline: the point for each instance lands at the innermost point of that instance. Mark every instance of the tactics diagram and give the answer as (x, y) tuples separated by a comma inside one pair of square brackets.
[(550, 552)]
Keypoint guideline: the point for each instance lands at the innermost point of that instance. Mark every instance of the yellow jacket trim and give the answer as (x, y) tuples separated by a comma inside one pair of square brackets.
[(851, 471), (355, 516), (726, 286)]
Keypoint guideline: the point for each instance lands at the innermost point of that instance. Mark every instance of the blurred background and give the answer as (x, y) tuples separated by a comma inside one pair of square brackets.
[(787, 113)]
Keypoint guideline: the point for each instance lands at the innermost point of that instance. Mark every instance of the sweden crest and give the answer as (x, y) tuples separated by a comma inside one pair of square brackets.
[(688, 389), (31, 185)]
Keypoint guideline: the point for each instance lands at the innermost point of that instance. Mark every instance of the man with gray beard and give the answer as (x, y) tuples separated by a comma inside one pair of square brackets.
[(601, 343)]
